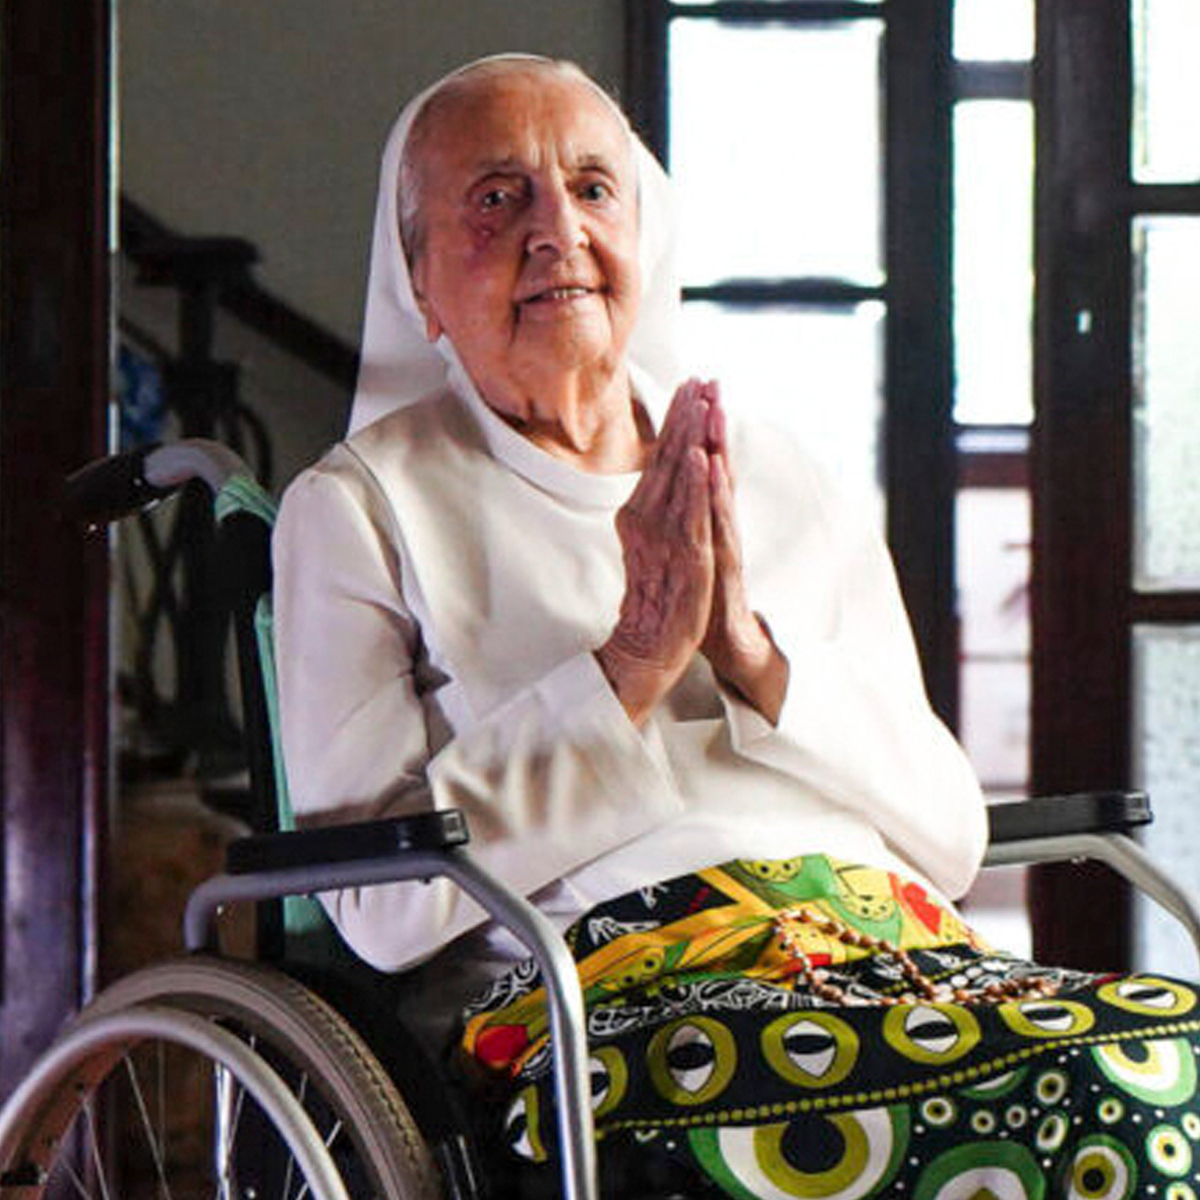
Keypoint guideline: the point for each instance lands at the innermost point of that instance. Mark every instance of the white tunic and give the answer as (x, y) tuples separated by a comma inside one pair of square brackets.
[(441, 584)]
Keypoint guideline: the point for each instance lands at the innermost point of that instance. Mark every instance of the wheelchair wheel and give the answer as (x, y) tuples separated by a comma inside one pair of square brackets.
[(56, 1129), (217, 1079)]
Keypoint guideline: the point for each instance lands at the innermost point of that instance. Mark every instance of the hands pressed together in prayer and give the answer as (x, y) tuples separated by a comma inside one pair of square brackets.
[(683, 571)]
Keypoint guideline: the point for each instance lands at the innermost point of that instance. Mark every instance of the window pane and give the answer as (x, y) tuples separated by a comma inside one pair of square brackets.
[(1166, 402), (993, 261), (815, 373), (775, 148), (993, 30), (1166, 45), (1167, 754), (992, 539), (993, 558)]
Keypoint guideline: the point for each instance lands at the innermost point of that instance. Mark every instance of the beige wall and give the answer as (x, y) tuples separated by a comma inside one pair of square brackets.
[(264, 118)]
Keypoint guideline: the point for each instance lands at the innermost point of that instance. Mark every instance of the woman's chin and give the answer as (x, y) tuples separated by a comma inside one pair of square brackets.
[(568, 345)]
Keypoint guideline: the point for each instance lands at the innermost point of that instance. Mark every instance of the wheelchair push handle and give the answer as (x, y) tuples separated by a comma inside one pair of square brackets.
[(122, 484)]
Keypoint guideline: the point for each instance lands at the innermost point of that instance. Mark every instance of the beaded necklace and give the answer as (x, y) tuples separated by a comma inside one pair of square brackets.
[(921, 988)]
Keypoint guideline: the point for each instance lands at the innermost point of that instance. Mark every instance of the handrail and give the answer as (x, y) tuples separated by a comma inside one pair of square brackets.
[(254, 305)]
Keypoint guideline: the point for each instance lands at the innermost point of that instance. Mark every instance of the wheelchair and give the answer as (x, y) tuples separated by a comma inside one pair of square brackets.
[(310, 1086)]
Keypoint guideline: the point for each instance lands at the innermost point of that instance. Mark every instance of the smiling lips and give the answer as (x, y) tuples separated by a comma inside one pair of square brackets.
[(558, 294)]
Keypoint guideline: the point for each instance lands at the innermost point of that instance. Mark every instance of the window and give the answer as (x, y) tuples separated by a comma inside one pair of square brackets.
[(785, 305), (895, 274), (812, 144), (793, 156), (815, 244)]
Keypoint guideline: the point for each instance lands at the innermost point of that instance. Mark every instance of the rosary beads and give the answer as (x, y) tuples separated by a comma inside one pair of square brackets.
[(921, 987)]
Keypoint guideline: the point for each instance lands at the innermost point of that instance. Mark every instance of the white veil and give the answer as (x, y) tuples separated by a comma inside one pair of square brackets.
[(398, 365)]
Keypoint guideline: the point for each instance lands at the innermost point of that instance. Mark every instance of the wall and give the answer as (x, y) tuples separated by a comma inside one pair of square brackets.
[(265, 119)]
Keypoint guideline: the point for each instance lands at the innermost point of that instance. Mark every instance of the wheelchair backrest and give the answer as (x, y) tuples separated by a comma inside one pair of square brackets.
[(296, 926), (244, 512)]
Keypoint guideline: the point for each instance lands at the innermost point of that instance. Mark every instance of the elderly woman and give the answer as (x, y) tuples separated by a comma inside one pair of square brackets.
[(663, 668)]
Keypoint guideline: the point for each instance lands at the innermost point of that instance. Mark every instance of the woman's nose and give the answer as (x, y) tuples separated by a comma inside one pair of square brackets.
[(555, 222)]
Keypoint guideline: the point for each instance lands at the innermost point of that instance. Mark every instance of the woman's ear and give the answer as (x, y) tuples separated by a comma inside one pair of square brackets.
[(433, 327)]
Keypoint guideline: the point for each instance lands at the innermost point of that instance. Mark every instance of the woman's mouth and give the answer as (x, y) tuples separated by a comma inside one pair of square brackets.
[(556, 294)]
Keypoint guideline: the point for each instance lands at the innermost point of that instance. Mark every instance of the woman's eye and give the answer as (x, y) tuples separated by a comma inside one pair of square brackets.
[(493, 199), (595, 190)]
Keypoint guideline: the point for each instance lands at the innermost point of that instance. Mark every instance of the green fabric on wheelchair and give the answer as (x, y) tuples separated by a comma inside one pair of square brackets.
[(309, 934)]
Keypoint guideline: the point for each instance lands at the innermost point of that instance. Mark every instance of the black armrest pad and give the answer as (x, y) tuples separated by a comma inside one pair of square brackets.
[(1054, 816), (346, 843)]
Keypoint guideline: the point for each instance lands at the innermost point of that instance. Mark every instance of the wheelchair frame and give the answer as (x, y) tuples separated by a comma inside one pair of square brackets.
[(273, 865)]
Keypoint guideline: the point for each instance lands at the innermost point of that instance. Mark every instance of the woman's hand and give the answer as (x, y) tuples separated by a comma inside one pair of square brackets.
[(683, 572), (736, 643), (666, 532)]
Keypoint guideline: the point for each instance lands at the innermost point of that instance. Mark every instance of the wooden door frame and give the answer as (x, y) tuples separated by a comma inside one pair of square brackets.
[(1081, 457), (55, 324), (921, 458)]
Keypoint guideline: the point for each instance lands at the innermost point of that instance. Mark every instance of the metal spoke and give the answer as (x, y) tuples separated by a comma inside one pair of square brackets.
[(228, 1116), (73, 1176), (227, 1125), (161, 1062), (155, 1144), (94, 1142), (301, 1095), (330, 1138)]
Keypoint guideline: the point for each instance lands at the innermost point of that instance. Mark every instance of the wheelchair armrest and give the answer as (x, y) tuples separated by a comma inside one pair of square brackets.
[(1095, 825), (1064, 816), (346, 843)]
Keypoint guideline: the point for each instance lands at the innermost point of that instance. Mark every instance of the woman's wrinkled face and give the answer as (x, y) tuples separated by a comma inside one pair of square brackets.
[(528, 216)]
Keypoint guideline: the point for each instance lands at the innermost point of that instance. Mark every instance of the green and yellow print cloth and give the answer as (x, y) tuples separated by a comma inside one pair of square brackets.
[(718, 1069)]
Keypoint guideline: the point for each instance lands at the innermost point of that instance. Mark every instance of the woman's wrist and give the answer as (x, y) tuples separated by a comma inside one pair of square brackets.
[(636, 686), (755, 668)]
